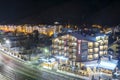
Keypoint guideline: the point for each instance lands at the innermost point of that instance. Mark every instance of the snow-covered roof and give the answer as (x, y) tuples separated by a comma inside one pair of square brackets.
[(106, 64), (86, 36)]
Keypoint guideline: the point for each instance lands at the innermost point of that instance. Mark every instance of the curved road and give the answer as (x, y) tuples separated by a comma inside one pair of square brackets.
[(18, 70)]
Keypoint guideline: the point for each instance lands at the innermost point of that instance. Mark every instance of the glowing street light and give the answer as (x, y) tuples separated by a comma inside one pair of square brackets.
[(7, 41), (46, 50)]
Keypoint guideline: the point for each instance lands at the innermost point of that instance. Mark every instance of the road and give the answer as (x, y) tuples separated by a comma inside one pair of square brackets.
[(17, 70), (12, 73), (2, 77), (14, 70)]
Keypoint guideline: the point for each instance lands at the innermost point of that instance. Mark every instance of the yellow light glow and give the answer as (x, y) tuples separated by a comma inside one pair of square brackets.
[(27, 29)]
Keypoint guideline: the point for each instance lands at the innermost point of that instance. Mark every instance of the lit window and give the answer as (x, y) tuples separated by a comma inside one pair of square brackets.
[(90, 44), (101, 48), (101, 53), (96, 44), (96, 50), (90, 50), (90, 57)]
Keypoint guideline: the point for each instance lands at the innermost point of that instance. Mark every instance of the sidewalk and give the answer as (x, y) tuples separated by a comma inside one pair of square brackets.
[(72, 74)]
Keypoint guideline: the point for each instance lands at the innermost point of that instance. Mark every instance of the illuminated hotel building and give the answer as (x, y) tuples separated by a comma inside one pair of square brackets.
[(79, 48)]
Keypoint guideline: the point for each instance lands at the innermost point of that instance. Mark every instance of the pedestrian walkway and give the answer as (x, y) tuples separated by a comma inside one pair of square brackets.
[(74, 75), (3, 77)]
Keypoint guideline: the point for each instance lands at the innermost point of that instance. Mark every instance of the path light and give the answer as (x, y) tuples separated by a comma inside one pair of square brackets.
[(7, 41), (46, 50)]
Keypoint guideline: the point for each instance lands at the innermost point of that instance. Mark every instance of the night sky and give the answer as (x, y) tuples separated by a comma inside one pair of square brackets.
[(106, 12)]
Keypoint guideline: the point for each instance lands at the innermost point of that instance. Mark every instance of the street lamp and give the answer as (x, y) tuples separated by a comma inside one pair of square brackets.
[(8, 43), (46, 52)]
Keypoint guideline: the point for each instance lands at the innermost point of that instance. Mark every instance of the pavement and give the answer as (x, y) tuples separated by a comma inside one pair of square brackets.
[(58, 76), (74, 75)]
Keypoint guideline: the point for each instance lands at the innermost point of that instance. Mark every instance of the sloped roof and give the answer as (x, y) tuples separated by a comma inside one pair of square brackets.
[(86, 36)]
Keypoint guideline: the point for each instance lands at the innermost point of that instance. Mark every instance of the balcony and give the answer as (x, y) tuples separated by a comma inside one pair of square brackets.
[(55, 42), (70, 56), (56, 47), (60, 44), (96, 46), (90, 53), (106, 38), (90, 57), (60, 38), (66, 55), (90, 47), (73, 47), (105, 48), (96, 52), (72, 40)]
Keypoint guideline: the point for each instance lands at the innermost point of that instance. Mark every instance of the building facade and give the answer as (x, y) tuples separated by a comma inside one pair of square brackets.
[(43, 29), (79, 48)]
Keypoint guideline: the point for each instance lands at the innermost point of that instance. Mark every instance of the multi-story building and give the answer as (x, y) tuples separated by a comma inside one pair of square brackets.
[(43, 29), (77, 47), (14, 42)]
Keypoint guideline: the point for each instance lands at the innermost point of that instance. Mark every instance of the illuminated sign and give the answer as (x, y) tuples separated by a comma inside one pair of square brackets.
[(79, 46)]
